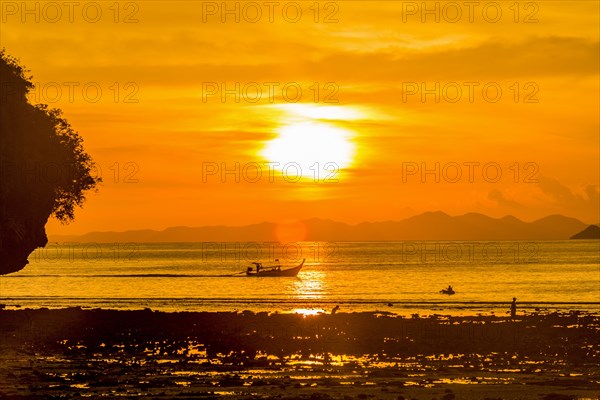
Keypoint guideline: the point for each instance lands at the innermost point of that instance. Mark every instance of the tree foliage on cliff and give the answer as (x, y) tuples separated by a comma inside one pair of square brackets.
[(42, 155), (44, 169)]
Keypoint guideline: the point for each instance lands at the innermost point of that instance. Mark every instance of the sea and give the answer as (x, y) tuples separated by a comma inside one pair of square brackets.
[(403, 278)]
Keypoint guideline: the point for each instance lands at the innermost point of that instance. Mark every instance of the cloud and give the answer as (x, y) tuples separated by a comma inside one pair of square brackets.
[(533, 58), (498, 197), (586, 203)]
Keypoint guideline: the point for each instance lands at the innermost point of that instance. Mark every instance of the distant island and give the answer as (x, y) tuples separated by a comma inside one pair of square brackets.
[(426, 226), (591, 232)]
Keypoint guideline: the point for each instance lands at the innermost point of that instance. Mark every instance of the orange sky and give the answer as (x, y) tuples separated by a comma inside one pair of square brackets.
[(170, 57)]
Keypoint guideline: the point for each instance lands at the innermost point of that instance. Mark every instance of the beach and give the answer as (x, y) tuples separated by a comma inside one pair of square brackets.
[(96, 353)]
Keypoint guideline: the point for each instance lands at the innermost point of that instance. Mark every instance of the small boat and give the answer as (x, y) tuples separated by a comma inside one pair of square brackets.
[(448, 291), (273, 271)]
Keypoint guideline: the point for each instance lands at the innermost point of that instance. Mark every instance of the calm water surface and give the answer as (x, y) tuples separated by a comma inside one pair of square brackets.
[(547, 275)]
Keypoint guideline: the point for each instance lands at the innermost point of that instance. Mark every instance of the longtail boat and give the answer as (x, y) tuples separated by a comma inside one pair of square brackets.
[(276, 271)]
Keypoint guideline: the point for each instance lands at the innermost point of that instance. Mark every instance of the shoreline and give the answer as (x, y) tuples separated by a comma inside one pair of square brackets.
[(74, 351), (323, 307)]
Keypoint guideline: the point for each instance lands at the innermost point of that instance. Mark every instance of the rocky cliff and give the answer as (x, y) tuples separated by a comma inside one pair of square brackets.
[(44, 170)]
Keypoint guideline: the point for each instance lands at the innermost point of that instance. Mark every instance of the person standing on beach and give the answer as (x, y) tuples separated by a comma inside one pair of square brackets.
[(513, 308)]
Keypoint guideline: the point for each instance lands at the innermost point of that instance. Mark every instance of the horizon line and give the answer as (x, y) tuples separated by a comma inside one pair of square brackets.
[(159, 230)]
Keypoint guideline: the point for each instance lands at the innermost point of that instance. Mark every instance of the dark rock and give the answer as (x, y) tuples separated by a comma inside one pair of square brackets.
[(555, 396)]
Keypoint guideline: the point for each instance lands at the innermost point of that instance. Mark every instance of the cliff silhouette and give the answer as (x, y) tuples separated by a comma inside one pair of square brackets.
[(44, 169)]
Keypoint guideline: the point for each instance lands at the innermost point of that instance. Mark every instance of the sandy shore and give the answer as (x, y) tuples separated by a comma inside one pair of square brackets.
[(71, 353)]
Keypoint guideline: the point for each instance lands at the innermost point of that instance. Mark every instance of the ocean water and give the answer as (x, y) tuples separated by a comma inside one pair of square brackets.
[(366, 276)]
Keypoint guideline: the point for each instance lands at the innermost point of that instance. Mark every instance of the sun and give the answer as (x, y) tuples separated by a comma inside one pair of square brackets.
[(310, 147)]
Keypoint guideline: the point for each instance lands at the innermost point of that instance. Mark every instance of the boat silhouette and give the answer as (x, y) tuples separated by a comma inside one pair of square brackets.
[(264, 272), (449, 291)]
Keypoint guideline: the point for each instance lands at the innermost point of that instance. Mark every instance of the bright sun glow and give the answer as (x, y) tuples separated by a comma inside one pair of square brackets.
[(340, 113), (310, 147)]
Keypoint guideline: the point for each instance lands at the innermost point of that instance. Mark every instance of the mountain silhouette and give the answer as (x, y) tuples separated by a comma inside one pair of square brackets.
[(591, 232), (427, 226)]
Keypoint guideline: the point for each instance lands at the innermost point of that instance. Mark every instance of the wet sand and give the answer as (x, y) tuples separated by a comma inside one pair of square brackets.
[(71, 353)]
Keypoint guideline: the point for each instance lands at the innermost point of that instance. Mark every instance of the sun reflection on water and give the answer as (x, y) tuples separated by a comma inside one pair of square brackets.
[(310, 285), (307, 311)]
